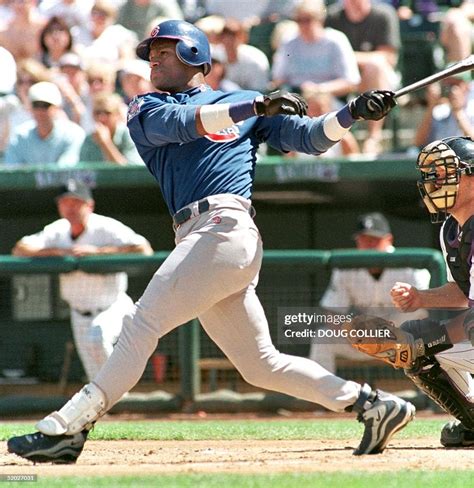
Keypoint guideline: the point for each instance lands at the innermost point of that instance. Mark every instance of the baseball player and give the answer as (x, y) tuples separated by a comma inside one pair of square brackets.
[(98, 302), (201, 146), (447, 189), (437, 355), (362, 290)]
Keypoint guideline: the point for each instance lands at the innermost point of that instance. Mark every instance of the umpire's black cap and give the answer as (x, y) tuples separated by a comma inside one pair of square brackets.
[(75, 189), (372, 224)]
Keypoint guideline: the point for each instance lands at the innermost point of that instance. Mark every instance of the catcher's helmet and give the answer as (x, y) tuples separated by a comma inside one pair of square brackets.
[(192, 47), (441, 164)]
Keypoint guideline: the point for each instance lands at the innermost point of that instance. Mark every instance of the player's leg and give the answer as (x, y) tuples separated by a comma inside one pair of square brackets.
[(209, 262), (110, 322), (88, 344), (238, 326)]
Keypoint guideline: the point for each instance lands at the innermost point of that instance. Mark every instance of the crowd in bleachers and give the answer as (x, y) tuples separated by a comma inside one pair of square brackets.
[(69, 67)]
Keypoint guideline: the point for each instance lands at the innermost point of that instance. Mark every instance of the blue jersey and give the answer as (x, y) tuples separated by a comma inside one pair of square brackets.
[(189, 166)]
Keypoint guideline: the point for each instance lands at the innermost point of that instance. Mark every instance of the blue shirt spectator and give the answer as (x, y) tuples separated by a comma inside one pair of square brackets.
[(50, 137)]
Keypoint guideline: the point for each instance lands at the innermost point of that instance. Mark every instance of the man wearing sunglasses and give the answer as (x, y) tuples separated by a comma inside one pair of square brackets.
[(50, 137)]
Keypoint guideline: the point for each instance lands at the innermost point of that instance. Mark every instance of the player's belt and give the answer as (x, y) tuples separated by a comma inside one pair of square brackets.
[(186, 213)]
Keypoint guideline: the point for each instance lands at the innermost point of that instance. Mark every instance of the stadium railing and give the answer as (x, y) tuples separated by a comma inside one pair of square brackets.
[(34, 322)]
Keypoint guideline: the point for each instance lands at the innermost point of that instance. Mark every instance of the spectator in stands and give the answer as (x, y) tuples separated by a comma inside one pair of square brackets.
[(456, 34), (246, 65), (135, 79), (217, 78), (76, 13), (365, 291), (373, 31), (101, 77), (6, 13), (193, 10), (8, 100), (51, 137), (106, 41), (136, 15), (98, 301), (72, 82), (318, 58), (21, 34), (110, 140), (244, 11), (449, 111), (29, 72), (55, 41), (212, 26)]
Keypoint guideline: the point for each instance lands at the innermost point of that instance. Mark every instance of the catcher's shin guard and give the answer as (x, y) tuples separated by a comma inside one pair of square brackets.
[(435, 382), (79, 413)]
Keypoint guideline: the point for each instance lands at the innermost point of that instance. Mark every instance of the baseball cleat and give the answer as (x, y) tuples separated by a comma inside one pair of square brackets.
[(386, 415), (41, 448), (456, 434)]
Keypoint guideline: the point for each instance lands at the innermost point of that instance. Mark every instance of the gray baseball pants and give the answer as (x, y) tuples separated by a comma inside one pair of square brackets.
[(212, 274)]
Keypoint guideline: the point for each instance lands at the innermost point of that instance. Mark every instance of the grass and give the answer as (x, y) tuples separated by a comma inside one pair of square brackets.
[(290, 429), (234, 429), (413, 479)]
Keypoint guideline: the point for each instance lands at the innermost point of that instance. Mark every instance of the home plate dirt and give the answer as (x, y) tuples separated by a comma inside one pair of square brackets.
[(149, 457)]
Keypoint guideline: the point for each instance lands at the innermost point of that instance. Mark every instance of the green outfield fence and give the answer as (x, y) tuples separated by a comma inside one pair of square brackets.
[(34, 322)]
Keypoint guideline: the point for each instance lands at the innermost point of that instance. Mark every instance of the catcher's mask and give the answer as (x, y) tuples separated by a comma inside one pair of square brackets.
[(441, 164)]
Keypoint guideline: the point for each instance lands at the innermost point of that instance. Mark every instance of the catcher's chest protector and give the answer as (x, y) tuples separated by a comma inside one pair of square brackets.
[(459, 251)]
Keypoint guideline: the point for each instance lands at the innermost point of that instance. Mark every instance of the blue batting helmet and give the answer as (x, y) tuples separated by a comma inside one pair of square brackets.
[(192, 47)]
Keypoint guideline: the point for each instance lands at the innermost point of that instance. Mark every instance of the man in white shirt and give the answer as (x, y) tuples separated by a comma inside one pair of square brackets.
[(366, 290), (98, 301)]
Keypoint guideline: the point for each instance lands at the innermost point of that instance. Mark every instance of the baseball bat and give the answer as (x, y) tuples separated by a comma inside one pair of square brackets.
[(459, 67)]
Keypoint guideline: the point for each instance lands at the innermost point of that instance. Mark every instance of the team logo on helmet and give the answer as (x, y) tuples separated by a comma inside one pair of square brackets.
[(155, 31)]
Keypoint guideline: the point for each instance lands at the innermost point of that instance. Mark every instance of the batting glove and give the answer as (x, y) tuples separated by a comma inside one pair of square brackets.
[(280, 102), (372, 105)]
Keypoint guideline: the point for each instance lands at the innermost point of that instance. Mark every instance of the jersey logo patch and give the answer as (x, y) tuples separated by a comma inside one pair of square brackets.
[(225, 135), (134, 107)]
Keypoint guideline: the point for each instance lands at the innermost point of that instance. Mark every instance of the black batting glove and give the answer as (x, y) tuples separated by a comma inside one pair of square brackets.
[(372, 105), (280, 102)]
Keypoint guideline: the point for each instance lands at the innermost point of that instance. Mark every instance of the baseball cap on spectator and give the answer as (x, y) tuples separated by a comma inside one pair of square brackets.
[(8, 67), (71, 59), (45, 91), (372, 224), (136, 67), (75, 189)]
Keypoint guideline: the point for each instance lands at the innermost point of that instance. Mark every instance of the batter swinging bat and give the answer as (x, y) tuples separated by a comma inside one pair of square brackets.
[(459, 67)]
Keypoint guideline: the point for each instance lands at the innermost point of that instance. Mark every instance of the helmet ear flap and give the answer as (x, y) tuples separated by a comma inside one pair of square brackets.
[(190, 54)]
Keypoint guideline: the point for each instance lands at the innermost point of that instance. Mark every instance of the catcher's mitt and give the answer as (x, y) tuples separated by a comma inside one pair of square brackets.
[(380, 339)]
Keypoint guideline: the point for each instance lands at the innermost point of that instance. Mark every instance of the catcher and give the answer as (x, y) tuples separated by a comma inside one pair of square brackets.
[(438, 355)]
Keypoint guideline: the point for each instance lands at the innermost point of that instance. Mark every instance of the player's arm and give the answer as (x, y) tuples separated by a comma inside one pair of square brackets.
[(90, 250), (24, 249), (158, 122), (408, 298)]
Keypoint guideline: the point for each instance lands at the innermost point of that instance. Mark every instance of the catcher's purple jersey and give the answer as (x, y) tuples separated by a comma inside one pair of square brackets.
[(188, 166)]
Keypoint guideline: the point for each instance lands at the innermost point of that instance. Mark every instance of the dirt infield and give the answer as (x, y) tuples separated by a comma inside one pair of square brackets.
[(158, 457)]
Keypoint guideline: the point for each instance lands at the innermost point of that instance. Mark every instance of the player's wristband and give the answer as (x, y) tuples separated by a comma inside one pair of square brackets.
[(336, 124), (223, 115)]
